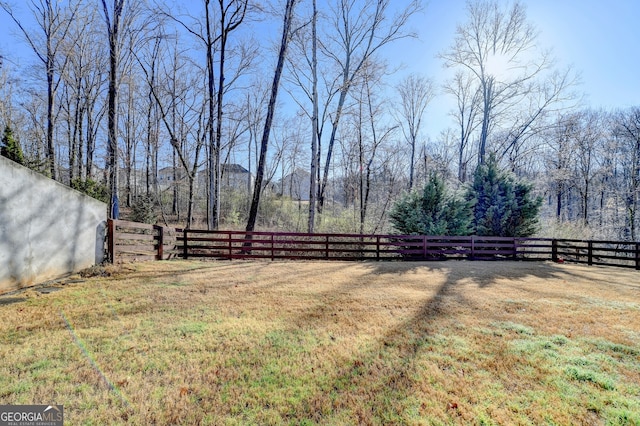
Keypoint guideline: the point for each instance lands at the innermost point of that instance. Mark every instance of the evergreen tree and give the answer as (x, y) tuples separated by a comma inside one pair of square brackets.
[(143, 210), (11, 147), (91, 188), (503, 205), (433, 211)]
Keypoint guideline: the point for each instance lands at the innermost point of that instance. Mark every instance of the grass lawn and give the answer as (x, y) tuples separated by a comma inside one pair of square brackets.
[(337, 343)]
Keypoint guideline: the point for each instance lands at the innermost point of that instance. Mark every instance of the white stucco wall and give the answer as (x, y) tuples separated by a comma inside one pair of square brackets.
[(47, 230)]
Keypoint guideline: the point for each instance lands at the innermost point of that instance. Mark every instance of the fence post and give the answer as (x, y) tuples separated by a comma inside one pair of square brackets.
[(326, 247), (424, 247), (111, 247), (272, 253), (185, 251), (590, 253), (160, 230), (554, 250), (473, 247), (230, 246), (378, 247), (638, 256)]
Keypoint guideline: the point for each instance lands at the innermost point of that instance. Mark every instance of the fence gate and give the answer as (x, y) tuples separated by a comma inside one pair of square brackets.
[(132, 241)]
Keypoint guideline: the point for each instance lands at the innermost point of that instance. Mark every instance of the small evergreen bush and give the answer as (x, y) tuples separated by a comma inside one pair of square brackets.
[(503, 205), (11, 147), (432, 211), (143, 210), (92, 188)]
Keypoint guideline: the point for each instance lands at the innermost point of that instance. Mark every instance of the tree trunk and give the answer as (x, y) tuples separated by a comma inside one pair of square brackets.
[(113, 28), (412, 161), (332, 139), (51, 153), (112, 126), (486, 113), (214, 155), (315, 155), (257, 189)]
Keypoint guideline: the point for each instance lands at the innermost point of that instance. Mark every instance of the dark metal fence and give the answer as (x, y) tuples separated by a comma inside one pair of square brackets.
[(131, 241)]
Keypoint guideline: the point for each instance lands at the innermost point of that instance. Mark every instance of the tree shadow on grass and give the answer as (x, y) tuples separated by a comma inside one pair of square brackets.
[(375, 385), (11, 300)]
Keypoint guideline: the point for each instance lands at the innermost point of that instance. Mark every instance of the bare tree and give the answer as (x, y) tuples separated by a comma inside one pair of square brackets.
[(150, 64), (226, 19), (496, 47), (315, 124), (548, 97), (466, 115), (8, 85), (264, 144), (254, 116), (627, 128), (131, 131), (231, 15), (416, 92), (54, 22), (93, 78), (377, 135), (588, 143), (304, 72), (558, 161), (83, 83), (357, 31), (87, 71), (113, 19), (174, 89)]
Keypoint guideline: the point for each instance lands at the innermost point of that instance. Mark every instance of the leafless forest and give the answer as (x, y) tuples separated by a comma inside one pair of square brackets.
[(288, 115)]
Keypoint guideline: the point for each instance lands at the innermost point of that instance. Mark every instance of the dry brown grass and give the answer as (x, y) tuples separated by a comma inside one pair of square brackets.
[(330, 343)]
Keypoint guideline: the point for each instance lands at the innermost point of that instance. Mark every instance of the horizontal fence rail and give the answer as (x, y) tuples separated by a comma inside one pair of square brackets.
[(270, 245), (616, 253), (132, 241)]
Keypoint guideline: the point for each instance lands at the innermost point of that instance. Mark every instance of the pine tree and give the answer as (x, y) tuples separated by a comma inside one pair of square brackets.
[(503, 205), (11, 147), (92, 188), (432, 211)]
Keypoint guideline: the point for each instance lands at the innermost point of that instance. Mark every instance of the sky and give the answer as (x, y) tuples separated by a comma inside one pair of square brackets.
[(599, 39)]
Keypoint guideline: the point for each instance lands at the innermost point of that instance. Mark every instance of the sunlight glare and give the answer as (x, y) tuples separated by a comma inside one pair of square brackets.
[(498, 65)]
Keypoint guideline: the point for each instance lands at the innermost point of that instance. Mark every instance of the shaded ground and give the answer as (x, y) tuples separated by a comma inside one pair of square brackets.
[(452, 342)]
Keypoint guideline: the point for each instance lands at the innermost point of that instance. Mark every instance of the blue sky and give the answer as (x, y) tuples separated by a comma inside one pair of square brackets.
[(600, 39)]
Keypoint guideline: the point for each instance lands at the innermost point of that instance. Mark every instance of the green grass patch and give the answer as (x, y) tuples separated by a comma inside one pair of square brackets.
[(518, 328), (589, 375), (188, 328), (585, 373)]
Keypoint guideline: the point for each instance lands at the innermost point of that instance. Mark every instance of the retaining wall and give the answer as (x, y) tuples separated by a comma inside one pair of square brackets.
[(47, 230)]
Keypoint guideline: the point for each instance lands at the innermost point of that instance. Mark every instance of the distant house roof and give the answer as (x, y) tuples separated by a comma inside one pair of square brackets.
[(166, 170), (295, 184), (233, 168)]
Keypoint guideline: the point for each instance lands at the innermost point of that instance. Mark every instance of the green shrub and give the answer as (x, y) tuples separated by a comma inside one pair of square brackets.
[(432, 211), (503, 205), (11, 147), (91, 188), (143, 210)]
